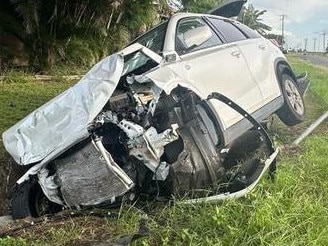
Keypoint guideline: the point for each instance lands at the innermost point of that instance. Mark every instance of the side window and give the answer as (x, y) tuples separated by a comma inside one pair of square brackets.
[(228, 30), (154, 39), (194, 34), (248, 31)]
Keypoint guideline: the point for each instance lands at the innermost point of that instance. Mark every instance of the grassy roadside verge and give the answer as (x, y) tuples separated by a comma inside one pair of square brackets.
[(291, 211), (18, 97)]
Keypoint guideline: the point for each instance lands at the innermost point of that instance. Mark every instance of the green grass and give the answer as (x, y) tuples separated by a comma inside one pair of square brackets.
[(319, 80), (316, 101), (20, 96), (291, 211)]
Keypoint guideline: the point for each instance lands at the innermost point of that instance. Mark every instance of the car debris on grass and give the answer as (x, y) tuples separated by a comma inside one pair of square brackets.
[(176, 113)]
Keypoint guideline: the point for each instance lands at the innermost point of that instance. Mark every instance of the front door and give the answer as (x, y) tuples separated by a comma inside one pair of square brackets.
[(214, 66)]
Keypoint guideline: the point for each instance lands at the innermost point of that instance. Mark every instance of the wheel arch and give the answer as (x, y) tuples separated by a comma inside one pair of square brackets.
[(281, 67), (287, 113)]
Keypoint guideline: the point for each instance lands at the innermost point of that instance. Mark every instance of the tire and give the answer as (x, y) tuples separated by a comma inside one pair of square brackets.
[(29, 200), (293, 110)]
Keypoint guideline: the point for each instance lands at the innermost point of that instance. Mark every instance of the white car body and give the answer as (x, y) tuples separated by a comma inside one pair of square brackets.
[(245, 71)]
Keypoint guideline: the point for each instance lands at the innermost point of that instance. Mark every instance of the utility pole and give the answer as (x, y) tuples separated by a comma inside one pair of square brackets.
[(282, 18), (324, 41), (305, 43), (314, 41)]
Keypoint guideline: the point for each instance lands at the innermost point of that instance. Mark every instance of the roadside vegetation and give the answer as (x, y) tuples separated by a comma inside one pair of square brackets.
[(290, 211), (45, 35)]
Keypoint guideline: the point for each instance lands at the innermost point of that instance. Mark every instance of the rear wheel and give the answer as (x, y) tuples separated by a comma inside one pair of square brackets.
[(293, 111)]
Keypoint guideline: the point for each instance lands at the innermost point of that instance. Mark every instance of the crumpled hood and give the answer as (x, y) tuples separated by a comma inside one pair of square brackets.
[(64, 119)]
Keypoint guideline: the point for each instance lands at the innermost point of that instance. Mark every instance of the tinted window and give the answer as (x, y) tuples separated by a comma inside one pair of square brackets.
[(248, 31), (154, 39), (228, 30), (194, 34)]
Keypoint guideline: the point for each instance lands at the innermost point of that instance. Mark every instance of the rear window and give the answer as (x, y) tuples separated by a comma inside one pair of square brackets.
[(227, 30), (247, 31)]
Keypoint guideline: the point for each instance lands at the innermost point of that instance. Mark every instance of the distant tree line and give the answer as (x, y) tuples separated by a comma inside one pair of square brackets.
[(81, 32)]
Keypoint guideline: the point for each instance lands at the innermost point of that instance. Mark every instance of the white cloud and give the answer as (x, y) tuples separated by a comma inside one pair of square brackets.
[(296, 10), (291, 39), (304, 19), (323, 21)]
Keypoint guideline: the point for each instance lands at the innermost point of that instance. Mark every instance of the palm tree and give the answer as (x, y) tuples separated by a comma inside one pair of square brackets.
[(8, 42), (201, 6), (48, 28), (251, 17)]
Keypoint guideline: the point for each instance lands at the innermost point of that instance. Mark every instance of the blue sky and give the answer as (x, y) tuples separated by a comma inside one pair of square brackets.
[(304, 19)]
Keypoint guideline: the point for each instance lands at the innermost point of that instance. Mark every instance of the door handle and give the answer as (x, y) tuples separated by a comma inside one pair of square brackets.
[(235, 53), (262, 46)]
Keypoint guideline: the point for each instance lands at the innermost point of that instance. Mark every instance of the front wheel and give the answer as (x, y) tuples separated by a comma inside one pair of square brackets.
[(29, 200), (293, 110)]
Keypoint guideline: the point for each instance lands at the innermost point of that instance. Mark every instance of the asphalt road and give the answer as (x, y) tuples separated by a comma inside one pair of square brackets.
[(318, 60)]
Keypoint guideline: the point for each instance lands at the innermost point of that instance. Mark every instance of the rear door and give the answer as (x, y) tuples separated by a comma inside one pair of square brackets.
[(260, 60)]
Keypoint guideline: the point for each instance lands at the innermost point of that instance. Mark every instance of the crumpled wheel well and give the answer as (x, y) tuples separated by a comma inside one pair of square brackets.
[(283, 67)]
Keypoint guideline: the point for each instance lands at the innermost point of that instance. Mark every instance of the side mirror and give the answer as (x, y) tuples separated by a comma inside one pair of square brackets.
[(196, 36)]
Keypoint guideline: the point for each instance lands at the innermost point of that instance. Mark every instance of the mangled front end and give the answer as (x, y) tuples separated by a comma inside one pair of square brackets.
[(136, 153), (132, 136)]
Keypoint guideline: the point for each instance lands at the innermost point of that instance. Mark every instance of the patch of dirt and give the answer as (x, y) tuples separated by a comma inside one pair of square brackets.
[(43, 225), (91, 228), (291, 150)]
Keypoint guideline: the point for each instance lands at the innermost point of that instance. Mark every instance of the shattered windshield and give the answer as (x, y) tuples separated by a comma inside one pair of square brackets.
[(136, 61)]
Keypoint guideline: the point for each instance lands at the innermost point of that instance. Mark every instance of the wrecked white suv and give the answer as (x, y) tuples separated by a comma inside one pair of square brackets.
[(175, 113)]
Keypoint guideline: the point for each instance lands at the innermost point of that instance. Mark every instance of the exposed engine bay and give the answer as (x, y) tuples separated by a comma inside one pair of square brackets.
[(147, 144)]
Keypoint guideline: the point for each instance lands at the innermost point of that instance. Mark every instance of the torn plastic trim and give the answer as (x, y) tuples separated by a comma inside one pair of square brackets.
[(49, 186), (242, 193), (243, 112), (303, 83), (269, 163), (249, 117)]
